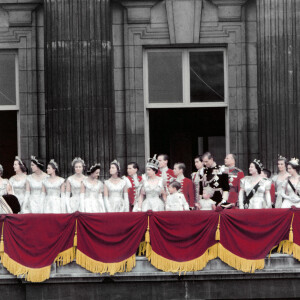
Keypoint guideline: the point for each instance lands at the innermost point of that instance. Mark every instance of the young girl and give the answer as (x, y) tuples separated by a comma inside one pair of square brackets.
[(206, 203)]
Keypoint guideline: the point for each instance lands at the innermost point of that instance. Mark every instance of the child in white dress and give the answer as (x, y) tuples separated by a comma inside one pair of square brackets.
[(176, 201), (206, 203)]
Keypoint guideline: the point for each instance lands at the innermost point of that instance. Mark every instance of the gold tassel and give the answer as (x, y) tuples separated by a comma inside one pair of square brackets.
[(147, 240), (239, 263), (217, 237), (196, 264), (95, 266), (75, 236), (142, 248), (291, 234), (2, 242)]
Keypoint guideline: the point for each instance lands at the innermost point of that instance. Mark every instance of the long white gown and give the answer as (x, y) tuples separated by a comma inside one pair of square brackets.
[(259, 199), (117, 200), (35, 201), (53, 201), (290, 198), (19, 190), (152, 194), (3, 187), (278, 189), (74, 200), (93, 200)]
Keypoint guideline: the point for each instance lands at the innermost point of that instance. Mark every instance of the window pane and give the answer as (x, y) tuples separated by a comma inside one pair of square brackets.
[(207, 76), (165, 77), (7, 79)]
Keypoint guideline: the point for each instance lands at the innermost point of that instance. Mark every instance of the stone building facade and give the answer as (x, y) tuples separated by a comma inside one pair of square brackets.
[(127, 79)]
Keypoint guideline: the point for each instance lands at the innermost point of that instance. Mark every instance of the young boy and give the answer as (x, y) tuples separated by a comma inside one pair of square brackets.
[(176, 201), (206, 203)]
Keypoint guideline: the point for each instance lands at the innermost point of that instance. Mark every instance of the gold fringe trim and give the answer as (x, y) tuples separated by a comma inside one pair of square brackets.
[(217, 237), (30, 274), (65, 257), (95, 266), (239, 263), (196, 264), (289, 248)]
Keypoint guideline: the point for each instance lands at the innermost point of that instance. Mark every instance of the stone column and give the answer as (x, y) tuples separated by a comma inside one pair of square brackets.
[(79, 105), (278, 45)]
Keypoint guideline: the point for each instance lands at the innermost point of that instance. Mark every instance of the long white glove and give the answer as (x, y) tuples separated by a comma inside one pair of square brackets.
[(63, 203), (101, 202), (241, 199), (81, 203), (107, 204), (126, 199), (292, 198), (268, 199), (43, 203), (67, 198), (225, 196), (24, 208)]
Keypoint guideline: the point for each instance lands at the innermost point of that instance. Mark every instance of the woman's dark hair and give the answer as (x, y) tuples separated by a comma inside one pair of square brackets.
[(22, 166), (297, 168), (13, 202), (38, 163), (54, 167), (118, 169), (155, 170), (257, 167), (93, 169)]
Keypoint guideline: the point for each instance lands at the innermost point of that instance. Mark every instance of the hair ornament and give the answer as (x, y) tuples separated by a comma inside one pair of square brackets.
[(76, 160), (258, 163), (117, 163), (52, 161), (280, 157), (152, 163), (19, 160), (294, 161), (36, 161), (93, 168)]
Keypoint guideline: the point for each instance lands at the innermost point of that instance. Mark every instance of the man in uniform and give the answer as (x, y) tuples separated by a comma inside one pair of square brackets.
[(197, 177), (187, 187), (216, 177), (164, 172), (133, 182), (234, 176)]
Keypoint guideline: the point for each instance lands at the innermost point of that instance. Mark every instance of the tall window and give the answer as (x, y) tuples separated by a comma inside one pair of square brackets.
[(195, 82)]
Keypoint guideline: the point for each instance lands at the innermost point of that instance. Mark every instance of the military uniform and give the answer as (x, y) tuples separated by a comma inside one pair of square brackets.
[(166, 174), (234, 176), (132, 184), (197, 179), (187, 189), (217, 178)]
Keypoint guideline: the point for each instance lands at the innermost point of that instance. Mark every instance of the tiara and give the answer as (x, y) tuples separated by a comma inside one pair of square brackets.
[(294, 161), (33, 158), (280, 157), (117, 163), (97, 165), (152, 163), (52, 161), (258, 162), (76, 160), (19, 160)]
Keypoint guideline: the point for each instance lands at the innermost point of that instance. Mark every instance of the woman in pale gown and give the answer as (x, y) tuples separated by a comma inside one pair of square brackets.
[(18, 181), (115, 190), (152, 195), (257, 186), (5, 187), (279, 179), (291, 187), (33, 197), (91, 200), (73, 185), (53, 190)]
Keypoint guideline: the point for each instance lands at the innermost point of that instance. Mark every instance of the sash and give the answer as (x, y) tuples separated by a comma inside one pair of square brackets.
[(293, 188), (250, 195)]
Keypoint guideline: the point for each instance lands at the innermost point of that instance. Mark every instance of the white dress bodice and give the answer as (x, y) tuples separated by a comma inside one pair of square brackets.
[(278, 189), (19, 189), (116, 201), (289, 197), (35, 204), (93, 200), (3, 187), (53, 195), (206, 204), (152, 196), (258, 199), (74, 201)]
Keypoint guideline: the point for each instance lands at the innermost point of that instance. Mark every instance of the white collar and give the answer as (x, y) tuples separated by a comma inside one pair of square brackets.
[(180, 177), (164, 169)]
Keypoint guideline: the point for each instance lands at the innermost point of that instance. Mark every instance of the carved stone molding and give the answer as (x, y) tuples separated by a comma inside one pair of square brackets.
[(19, 14), (229, 10), (138, 12), (184, 19)]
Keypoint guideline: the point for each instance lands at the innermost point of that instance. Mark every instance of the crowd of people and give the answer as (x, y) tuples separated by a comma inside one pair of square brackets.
[(159, 189)]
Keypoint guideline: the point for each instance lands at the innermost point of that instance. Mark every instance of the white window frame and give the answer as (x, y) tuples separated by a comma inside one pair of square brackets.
[(15, 107), (185, 90)]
